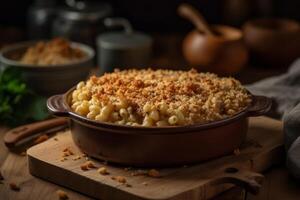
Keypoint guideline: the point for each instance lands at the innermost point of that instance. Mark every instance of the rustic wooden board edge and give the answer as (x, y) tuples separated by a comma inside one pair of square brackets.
[(273, 159), (107, 191), (45, 167), (257, 161)]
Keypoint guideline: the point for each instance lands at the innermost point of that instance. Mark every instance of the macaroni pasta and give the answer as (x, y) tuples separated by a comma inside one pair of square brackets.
[(159, 98)]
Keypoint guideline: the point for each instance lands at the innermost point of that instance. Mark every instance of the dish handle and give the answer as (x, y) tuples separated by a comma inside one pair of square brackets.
[(260, 106), (250, 181), (55, 105)]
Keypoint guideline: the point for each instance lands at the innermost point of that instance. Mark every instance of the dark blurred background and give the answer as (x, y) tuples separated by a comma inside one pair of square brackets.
[(160, 16), (39, 19)]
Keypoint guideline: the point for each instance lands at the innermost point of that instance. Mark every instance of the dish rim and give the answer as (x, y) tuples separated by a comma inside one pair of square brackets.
[(89, 51), (62, 108)]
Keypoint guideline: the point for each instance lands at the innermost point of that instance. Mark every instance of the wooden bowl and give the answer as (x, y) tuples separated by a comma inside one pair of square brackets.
[(274, 42), (223, 53)]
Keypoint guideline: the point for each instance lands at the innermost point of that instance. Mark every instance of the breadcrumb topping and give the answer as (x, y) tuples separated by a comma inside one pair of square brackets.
[(160, 97), (54, 52)]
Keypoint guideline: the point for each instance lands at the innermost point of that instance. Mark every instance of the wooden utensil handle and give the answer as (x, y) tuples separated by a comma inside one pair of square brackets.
[(189, 12), (13, 136), (248, 180)]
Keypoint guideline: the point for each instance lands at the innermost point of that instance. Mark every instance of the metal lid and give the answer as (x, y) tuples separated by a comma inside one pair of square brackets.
[(127, 39), (89, 11)]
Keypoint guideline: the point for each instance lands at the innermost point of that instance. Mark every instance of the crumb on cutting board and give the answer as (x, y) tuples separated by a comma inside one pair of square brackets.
[(63, 159), (120, 179), (87, 165), (62, 195), (67, 152), (90, 164), (76, 158), (66, 149), (103, 171), (84, 167)]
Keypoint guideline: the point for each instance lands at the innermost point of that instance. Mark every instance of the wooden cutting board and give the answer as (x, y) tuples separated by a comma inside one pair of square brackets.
[(263, 148)]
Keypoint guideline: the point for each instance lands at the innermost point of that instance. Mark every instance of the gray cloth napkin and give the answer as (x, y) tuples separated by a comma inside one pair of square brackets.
[(285, 91)]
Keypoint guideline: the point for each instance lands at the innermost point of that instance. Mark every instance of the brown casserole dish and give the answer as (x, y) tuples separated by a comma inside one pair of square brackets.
[(157, 146)]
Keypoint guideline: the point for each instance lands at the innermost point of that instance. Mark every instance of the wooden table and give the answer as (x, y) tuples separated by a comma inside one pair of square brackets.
[(277, 185)]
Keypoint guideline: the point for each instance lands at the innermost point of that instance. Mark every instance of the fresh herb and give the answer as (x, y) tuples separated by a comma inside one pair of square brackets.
[(18, 103)]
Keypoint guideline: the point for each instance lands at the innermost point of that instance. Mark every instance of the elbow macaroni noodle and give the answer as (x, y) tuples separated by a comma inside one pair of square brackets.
[(159, 98)]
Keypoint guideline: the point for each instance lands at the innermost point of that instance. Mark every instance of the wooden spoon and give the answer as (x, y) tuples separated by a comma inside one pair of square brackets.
[(189, 12), (13, 136)]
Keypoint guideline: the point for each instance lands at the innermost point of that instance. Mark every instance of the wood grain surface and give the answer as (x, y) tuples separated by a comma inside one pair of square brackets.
[(260, 151), (277, 185)]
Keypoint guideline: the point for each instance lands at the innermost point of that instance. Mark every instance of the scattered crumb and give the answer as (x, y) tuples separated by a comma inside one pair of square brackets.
[(14, 187), (67, 152), (120, 179), (153, 173), (145, 183), (90, 164), (76, 158), (236, 152), (56, 139), (63, 159), (103, 171), (41, 138), (84, 167), (23, 153), (62, 195)]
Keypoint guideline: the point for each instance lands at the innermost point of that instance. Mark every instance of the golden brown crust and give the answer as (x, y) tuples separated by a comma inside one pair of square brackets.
[(199, 97), (54, 52)]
